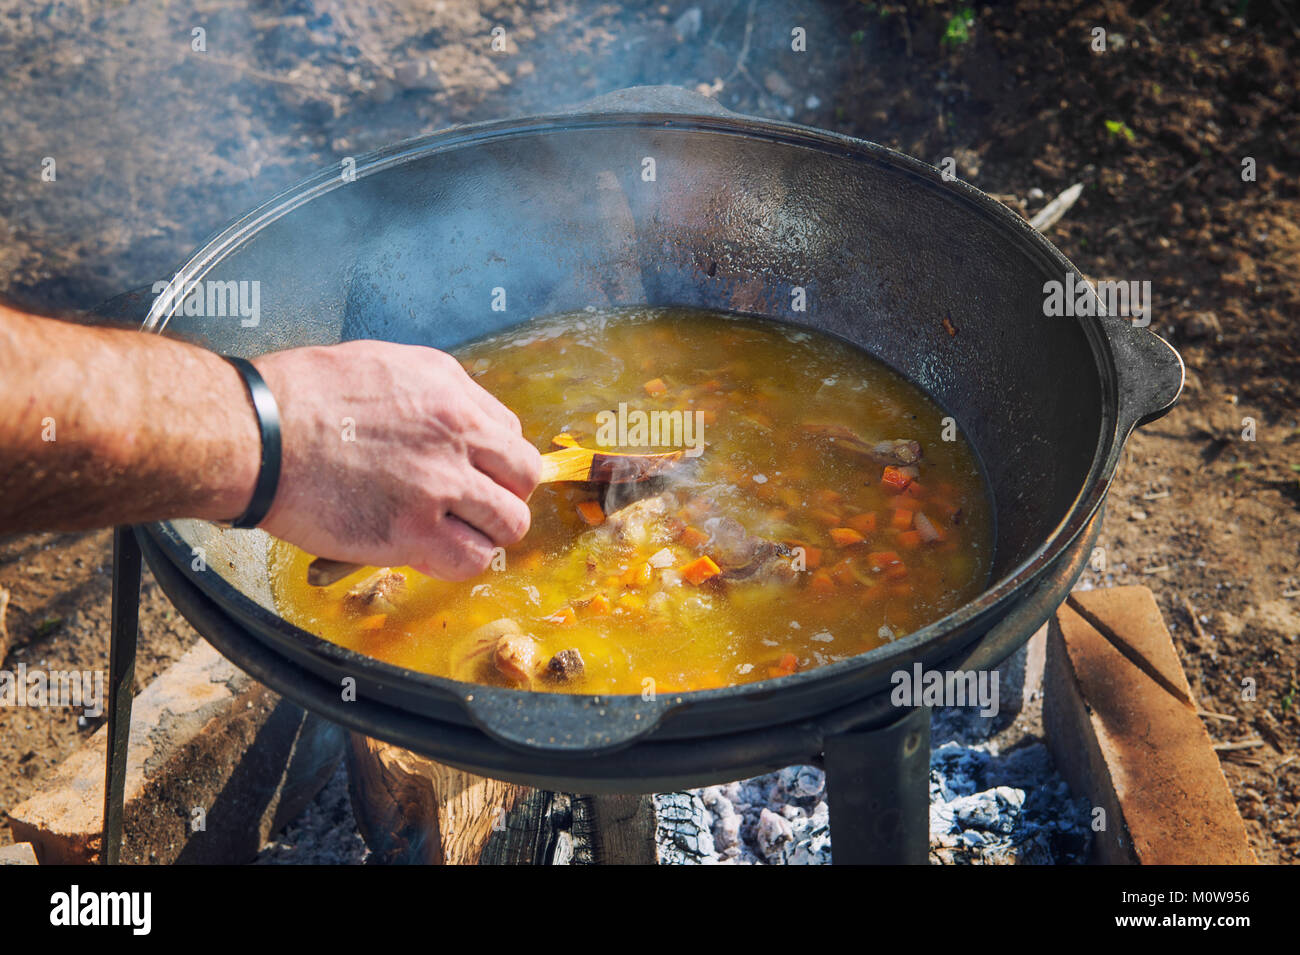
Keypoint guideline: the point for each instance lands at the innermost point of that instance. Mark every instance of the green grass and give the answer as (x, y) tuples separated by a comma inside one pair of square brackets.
[(957, 32), (1118, 127)]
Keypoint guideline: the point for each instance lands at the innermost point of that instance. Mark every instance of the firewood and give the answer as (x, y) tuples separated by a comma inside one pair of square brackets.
[(414, 810)]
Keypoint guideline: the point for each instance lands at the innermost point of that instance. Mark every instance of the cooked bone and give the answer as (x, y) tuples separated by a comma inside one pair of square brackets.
[(642, 523), (898, 451), (378, 593), (515, 657), (745, 556)]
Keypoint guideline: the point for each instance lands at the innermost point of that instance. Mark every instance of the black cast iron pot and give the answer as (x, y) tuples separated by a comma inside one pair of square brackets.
[(562, 212)]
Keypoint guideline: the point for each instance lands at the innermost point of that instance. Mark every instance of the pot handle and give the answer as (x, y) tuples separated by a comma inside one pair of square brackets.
[(1150, 371), (652, 99), (563, 723)]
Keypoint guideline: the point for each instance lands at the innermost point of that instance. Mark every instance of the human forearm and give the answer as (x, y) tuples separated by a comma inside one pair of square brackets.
[(101, 426)]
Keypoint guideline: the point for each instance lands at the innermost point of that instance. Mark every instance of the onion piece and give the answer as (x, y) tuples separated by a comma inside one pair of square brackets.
[(929, 533)]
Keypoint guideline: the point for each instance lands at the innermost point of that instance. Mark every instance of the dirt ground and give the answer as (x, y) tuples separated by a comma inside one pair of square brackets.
[(158, 145)]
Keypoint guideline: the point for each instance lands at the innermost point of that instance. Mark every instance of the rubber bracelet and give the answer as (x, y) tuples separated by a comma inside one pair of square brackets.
[(268, 422)]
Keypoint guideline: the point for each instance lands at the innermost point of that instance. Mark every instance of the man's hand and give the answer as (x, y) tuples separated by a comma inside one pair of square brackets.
[(394, 455)]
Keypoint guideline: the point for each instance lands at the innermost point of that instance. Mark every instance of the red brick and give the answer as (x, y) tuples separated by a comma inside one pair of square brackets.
[(1123, 731)]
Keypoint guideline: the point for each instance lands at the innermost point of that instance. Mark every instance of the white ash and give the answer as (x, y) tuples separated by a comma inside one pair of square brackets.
[(989, 808), (779, 818), (986, 808)]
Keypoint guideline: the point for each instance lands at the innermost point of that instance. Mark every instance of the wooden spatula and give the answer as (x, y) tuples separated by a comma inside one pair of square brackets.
[(571, 463)]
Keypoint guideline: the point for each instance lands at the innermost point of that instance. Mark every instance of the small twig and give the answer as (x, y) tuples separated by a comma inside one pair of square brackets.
[(1155, 570), (1155, 495), (1235, 747), (744, 45), (1196, 622), (1216, 716), (1051, 213)]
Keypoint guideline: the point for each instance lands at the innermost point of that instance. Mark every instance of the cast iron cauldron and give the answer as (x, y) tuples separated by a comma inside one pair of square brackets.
[(561, 212)]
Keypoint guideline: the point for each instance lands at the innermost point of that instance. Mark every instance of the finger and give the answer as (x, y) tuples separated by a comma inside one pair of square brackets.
[(493, 408), (493, 511), (459, 552), (510, 461)]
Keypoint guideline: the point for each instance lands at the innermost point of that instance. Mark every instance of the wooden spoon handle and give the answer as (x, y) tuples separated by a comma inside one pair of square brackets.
[(570, 463)]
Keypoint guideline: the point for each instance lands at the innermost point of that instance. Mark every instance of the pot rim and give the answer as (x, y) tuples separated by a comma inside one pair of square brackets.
[(1114, 427)]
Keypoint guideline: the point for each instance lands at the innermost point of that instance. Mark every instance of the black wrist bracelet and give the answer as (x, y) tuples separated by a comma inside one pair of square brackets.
[(268, 422)]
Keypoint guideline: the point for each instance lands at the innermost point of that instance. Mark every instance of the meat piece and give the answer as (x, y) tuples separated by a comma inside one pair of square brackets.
[(565, 666), (745, 556), (897, 451), (515, 657), (378, 593), (643, 523)]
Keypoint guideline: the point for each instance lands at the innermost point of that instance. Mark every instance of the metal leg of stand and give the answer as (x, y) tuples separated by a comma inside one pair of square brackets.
[(121, 684), (878, 783)]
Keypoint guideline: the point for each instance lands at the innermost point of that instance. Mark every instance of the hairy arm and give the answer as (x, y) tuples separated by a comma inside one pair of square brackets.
[(392, 454), (101, 426)]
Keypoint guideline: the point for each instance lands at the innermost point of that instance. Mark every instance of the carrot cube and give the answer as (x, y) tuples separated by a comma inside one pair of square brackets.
[(909, 539), (698, 571), (879, 560), (863, 523), (846, 536), (591, 513), (821, 583), (655, 387), (894, 480), (562, 617), (902, 519), (693, 538)]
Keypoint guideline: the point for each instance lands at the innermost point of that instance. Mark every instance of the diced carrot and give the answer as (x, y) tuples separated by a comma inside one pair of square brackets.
[(895, 571), (879, 560), (785, 666), (590, 512), (822, 516), (909, 539), (846, 536), (693, 538), (698, 571), (902, 519), (599, 605), (373, 622), (864, 523), (894, 480), (906, 502), (633, 602), (532, 561), (562, 617), (842, 573), (821, 583), (655, 387), (812, 557), (915, 489)]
